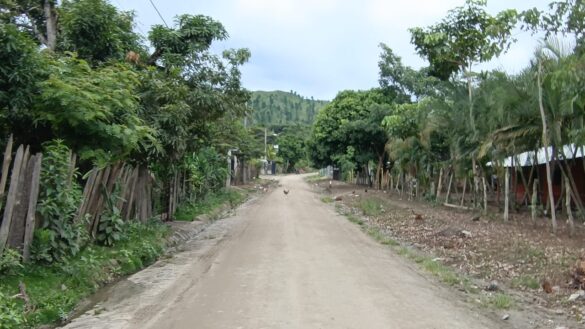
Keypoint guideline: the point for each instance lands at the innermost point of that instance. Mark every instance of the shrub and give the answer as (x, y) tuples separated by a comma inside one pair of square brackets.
[(10, 261), (60, 197)]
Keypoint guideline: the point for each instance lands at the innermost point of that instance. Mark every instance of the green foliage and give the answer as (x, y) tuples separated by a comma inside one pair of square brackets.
[(468, 34), (21, 66), (10, 261), (111, 225), (10, 315), (97, 31), (55, 289), (346, 163), (351, 119), (60, 196), (292, 146), (190, 210), (206, 171), (94, 110), (370, 206), (272, 108)]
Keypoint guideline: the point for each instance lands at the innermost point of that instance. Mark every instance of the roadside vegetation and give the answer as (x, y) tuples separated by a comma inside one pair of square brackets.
[(105, 135)]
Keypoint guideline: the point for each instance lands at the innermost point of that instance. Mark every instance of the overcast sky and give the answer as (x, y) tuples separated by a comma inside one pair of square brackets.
[(319, 47)]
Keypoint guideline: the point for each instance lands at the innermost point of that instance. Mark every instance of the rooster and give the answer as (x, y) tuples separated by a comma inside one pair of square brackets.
[(416, 215)]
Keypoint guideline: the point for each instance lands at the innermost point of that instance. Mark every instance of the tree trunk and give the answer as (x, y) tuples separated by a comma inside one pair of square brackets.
[(534, 200), (51, 24), (475, 182), (568, 206), (485, 199), (546, 155), (507, 195)]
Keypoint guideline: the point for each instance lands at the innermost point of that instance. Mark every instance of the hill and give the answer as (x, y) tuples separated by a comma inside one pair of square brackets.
[(283, 108)]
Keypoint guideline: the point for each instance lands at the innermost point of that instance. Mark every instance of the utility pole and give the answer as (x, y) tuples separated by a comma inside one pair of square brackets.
[(265, 148)]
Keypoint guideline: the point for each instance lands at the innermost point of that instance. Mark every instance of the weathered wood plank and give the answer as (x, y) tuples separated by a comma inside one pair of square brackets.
[(32, 206), (86, 194), (18, 222), (6, 166), (11, 198)]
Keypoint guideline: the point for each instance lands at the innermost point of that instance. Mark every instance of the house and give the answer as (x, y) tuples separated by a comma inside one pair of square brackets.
[(532, 165)]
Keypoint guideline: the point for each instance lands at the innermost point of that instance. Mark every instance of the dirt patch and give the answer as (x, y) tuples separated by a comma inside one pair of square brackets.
[(538, 269)]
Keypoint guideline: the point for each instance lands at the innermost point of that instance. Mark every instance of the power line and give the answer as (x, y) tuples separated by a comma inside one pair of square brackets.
[(158, 12)]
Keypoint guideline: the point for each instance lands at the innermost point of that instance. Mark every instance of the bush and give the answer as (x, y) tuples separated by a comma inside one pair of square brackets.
[(10, 262), (11, 316), (60, 197)]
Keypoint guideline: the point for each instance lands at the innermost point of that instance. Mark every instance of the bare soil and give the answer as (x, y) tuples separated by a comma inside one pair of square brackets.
[(519, 257), (286, 261)]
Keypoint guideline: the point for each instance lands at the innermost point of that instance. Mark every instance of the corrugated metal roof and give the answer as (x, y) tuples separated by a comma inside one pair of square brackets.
[(527, 159)]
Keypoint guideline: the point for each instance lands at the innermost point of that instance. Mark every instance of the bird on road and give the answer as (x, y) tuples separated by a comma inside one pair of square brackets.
[(285, 191)]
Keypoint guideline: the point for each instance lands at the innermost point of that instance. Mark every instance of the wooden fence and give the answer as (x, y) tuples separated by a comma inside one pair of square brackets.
[(19, 217), (133, 186)]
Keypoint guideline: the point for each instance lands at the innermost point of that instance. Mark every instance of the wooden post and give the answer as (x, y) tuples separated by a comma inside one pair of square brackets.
[(6, 166), (11, 198), (32, 207), (507, 195), (568, 206), (534, 200), (449, 188), (440, 184), (464, 189), (18, 222), (485, 200)]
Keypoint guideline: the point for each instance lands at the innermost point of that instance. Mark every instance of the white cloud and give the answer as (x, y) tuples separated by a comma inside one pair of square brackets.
[(318, 47)]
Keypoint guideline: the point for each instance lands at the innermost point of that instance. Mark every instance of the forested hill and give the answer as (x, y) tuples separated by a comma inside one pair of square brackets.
[(283, 108)]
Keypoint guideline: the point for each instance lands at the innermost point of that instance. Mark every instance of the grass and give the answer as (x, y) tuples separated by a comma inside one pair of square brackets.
[(370, 206), (354, 219), (315, 178), (190, 211), (327, 199), (55, 289), (381, 237), (501, 301), (526, 282)]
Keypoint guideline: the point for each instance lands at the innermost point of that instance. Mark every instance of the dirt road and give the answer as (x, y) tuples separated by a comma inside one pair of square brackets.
[(282, 262)]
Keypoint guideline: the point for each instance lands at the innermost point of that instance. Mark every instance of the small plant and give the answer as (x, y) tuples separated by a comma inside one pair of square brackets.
[(111, 224), (327, 199), (10, 261), (60, 196), (502, 301), (42, 246), (370, 207), (11, 316), (525, 281)]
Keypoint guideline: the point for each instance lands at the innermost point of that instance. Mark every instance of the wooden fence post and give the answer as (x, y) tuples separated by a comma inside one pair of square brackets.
[(6, 166), (32, 207), (11, 198)]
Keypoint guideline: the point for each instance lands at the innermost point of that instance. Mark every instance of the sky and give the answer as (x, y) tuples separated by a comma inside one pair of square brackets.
[(320, 47)]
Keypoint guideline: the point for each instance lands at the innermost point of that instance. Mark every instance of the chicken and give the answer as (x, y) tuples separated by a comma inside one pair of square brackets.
[(547, 287), (417, 216), (285, 191)]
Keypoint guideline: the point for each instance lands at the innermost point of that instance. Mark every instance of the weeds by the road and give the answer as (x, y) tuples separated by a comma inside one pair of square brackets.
[(327, 199), (371, 206), (190, 211), (444, 273), (54, 290)]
